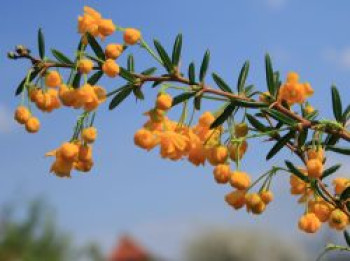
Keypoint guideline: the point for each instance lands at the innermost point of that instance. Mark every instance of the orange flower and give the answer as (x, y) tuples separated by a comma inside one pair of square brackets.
[(222, 173), (110, 68), (132, 36), (32, 125), (68, 152), (309, 223), (217, 155), (236, 199), (240, 180), (52, 79), (89, 134), (237, 151), (266, 196), (206, 119), (22, 114), (113, 51), (338, 220), (106, 27), (254, 203), (173, 145), (241, 130), (85, 66), (145, 139), (314, 168), (340, 184), (164, 102), (321, 209)]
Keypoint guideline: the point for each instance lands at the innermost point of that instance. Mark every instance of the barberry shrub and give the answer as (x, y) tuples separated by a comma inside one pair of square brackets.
[(281, 115)]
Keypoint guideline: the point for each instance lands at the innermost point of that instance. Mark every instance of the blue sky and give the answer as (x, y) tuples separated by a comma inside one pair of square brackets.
[(129, 190)]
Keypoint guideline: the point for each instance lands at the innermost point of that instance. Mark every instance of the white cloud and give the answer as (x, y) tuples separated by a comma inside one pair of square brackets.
[(276, 4), (341, 58), (6, 120)]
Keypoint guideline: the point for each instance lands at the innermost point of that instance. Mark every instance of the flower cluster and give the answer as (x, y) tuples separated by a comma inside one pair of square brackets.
[(318, 210), (75, 154)]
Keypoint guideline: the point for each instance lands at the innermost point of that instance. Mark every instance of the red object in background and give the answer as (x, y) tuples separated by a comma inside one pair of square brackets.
[(128, 250)]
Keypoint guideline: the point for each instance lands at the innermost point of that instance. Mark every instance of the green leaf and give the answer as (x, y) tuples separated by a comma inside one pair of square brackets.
[(251, 104), (347, 237), (345, 194), (21, 86), (95, 77), (331, 139), (330, 171), (177, 50), (243, 77), (280, 116), (204, 66), (256, 123), (223, 116), (302, 137), (280, 144), (96, 47), (131, 63), (76, 80), (119, 97), (221, 83), (138, 93), (269, 75), (156, 83), (197, 102), (346, 114), (341, 150), (163, 56), (61, 57), (249, 90), (337, 105), (41, 44), (126, 75), (182, 97), (295, 171), (191, 73), (276, 80), (149, 71)]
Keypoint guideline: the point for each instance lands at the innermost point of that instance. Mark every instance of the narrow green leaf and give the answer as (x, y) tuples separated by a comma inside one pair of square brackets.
[(126, 75), (243, 77), (337, 105), (131, 63), (269, 76), (341, 150), (280, 116), (61, 57), (249, 90), (295, 171), (182, 97), (76, 80), (96, 47), (221, 83), (197, 102), (156, 83), (95, 77), (346, 114), (251, 104), (176, 56), (163, 56), (41, 44), (280, 144), (223, 116), (119, 97), (256, 123), (345, 194), (347, 237), (149, 71), (302, 137), (331, 140), (192, 73), (138, 93), (330, 171), (204, 66), (21, 86)]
